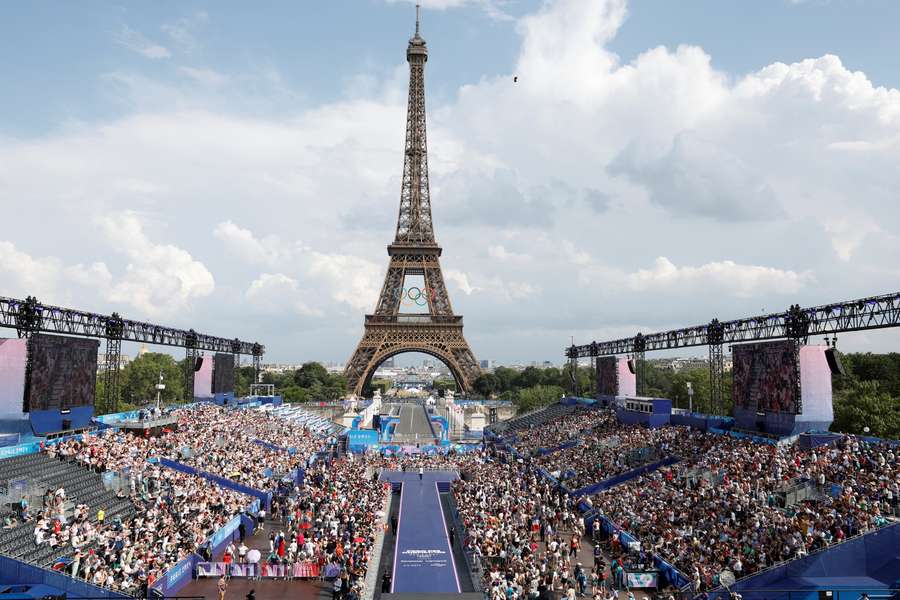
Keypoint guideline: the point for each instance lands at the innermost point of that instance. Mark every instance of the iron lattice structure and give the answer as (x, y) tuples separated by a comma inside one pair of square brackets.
[(796, 323), (414, 252), (29, 316)]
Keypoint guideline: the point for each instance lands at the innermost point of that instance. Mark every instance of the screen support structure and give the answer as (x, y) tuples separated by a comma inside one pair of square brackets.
[(640, 357), (573, 374), (190, 359), (114, 330), (716, 336), (257, 362), (863, 314)]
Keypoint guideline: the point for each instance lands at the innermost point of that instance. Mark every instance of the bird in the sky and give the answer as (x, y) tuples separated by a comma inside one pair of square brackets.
[(515, 79)]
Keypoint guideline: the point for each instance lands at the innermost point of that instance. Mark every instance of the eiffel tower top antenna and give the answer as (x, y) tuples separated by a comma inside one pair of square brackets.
[(414, 226)]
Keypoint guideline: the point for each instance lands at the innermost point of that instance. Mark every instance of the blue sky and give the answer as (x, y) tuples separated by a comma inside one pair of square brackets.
[(236, 169), (60, 52)]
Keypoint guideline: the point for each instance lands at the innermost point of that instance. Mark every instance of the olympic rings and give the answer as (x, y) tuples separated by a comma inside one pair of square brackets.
[(416, 296)]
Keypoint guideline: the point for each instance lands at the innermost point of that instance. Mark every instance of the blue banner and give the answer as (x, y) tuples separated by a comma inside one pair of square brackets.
[(177, 577), (265, 498), (19, 450)]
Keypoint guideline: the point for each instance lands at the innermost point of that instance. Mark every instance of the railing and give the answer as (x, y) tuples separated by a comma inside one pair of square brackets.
[(820, 551), (473, 564), (412, 318), (68, 432)]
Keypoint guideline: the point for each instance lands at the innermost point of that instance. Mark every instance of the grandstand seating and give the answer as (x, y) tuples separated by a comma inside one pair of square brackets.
[(533, 419), (82, 486)]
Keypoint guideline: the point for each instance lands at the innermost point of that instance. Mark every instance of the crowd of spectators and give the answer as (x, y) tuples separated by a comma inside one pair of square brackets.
[(610, 450), (213, 440), (331, 520), (563, 429), (725, 508), (722, 507), (175, 513)]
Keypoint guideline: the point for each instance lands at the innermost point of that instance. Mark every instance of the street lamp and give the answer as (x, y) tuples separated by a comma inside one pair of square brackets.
[(159, 388), (690, 391)]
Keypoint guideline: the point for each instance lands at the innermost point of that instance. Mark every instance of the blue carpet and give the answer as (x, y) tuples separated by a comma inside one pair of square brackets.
[(423, 560)]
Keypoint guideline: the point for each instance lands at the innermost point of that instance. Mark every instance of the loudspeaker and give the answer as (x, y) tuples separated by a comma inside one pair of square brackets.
[(631, 365), (198, 362), (834, 362)]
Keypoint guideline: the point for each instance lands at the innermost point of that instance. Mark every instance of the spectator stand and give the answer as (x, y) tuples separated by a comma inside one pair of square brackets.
[(618, 479), (570, 444), (868, 564), (23, 575)]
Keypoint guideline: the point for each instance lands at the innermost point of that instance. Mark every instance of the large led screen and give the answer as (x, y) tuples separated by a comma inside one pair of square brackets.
[(223, 373), (63, 372), (767, 377), (607, 376)]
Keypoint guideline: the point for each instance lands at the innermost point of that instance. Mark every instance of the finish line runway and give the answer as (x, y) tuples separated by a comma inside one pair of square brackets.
[(423, 559)]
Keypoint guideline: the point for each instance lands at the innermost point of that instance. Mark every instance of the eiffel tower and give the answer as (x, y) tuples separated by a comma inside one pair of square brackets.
[(414, 252)]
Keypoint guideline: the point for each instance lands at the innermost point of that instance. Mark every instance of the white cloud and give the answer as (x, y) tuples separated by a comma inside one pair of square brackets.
[(137, 42), (573, 254), (725, 277), (159, 278), (500, 253), (352, 280), (25, 275), (278, 294), (241, 242), (570, 182), (460, 279)]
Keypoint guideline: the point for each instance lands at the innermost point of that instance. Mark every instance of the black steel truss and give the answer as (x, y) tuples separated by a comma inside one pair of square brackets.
[(29, 316), (876, 312)]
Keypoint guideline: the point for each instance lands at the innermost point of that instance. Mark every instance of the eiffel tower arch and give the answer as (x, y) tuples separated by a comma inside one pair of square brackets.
[(414, 253)]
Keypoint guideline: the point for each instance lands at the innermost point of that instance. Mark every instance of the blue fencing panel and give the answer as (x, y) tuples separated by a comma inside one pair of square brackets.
[(871, 561), (9, 439), (623, 477), (17, 572), (177, 577), (358, 440), (265, 498), (20, 450)]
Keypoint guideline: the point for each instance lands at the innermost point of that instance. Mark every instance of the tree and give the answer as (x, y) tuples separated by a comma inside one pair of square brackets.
[(139, 379), (243, 378), (442, 384), (378, 384), (564, 378), (335, 386), (529, 377), (507, 378), (309, 374), (293, 393), (864, 404), (538, 396), (487, 384)]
